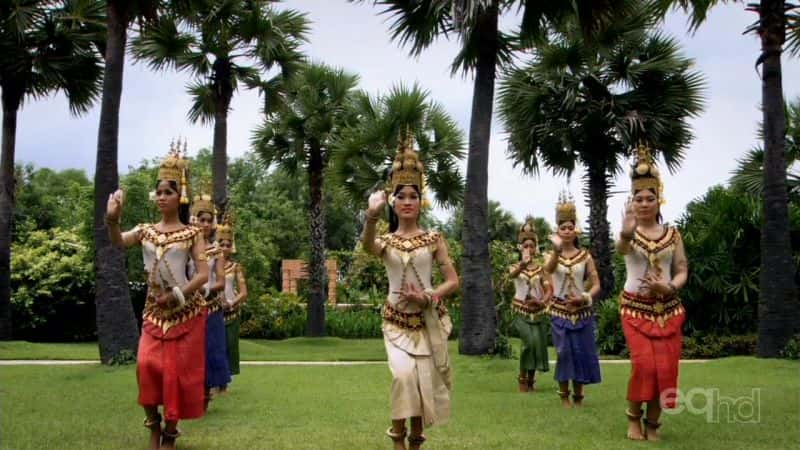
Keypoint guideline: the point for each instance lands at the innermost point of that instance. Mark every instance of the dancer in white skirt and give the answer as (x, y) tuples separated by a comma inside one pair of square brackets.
[(415, 321)]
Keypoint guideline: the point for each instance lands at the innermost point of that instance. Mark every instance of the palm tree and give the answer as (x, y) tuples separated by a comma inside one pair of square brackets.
[(45, 47), (749, 174), (779, 308), (301, 126), (364, 155), (223, 44), (583, 103), (484, 47), (117, 331)]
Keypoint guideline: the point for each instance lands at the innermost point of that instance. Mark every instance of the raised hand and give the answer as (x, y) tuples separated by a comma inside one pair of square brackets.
[(557, 242), (376, 202), (115, 203), (628, 219), (526, 257)]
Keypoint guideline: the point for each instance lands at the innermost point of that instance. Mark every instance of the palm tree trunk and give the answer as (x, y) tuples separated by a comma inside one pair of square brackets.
[(779, 307), (597, 192), (479, 326), (11, 100), (316, 266), (116, 323), (220, 157)]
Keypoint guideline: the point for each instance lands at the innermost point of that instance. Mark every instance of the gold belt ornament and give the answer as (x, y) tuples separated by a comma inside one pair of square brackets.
[(409, 321), (166, 318), (563, 311), (654, 309), (523, 308)]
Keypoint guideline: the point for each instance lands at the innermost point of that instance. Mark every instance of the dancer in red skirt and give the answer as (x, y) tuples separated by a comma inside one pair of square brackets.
[(651, 312), (170, 364)]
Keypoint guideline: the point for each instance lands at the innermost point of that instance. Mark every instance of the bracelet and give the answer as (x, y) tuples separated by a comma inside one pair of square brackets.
[(672, 288), (372, 218), (110, 221), (430, 294), (588, 298), (178, 293), (625, 237)]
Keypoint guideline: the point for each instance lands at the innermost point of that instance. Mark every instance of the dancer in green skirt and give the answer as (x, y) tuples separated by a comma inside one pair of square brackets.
[(235, 291), (532, 292)]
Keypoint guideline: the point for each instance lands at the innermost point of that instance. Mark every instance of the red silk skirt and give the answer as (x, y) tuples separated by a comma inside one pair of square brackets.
[(170, 368), (655, 357)]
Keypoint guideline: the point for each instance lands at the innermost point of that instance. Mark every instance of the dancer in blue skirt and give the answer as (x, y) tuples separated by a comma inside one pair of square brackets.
[(572, 320)]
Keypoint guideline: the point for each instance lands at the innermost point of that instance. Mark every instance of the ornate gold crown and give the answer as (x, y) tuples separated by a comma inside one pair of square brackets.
[(175, 167), (644, 173), (225, 229), (202, 202), (565, 209), (528, 232), (407, 168)]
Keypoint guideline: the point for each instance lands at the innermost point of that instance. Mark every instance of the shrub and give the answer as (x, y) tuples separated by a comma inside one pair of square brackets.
[(354, 323), (274, 315), (702, 346), (792, 349), (52, 284), (610, 339)]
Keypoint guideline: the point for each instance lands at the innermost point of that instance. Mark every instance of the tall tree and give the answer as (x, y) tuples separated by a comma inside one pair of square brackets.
[(301, 126), (483, 47), (581, 103), (223, 44), (779, 308), (116, 324), (45, 47), (365, 153)]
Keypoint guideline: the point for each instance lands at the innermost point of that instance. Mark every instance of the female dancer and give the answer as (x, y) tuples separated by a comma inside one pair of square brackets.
[(235, 290), (217, 371), (652, 314), (170, 364), (533, 290), (572, 322), (415, 321)]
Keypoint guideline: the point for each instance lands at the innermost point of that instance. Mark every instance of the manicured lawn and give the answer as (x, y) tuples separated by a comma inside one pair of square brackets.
[(302, 349), (94, 407), (296, 349)]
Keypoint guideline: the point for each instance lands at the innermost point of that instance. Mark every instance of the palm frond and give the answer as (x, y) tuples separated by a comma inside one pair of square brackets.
[(417, 24), (203, 102), (163, 46)]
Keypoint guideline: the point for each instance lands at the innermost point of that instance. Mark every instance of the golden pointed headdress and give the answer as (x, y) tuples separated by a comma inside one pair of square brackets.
[(407, 168), (645, 174), (202, 202), (175, 167), (528, 232), (225, 230), (565, 209)]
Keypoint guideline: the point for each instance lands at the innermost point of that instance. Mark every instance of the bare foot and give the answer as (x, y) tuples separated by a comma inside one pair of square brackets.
[(651, 432), (168, 443), (635, 430), (414, 444), (566, 403), (577, 401), (155, 439)]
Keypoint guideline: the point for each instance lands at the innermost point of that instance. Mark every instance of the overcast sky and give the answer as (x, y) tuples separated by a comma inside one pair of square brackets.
[(355, 37)]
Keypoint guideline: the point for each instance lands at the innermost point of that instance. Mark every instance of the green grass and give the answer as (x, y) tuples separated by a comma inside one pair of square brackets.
[(35, 350), (303, 349), (295, 349), (94, 407)]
